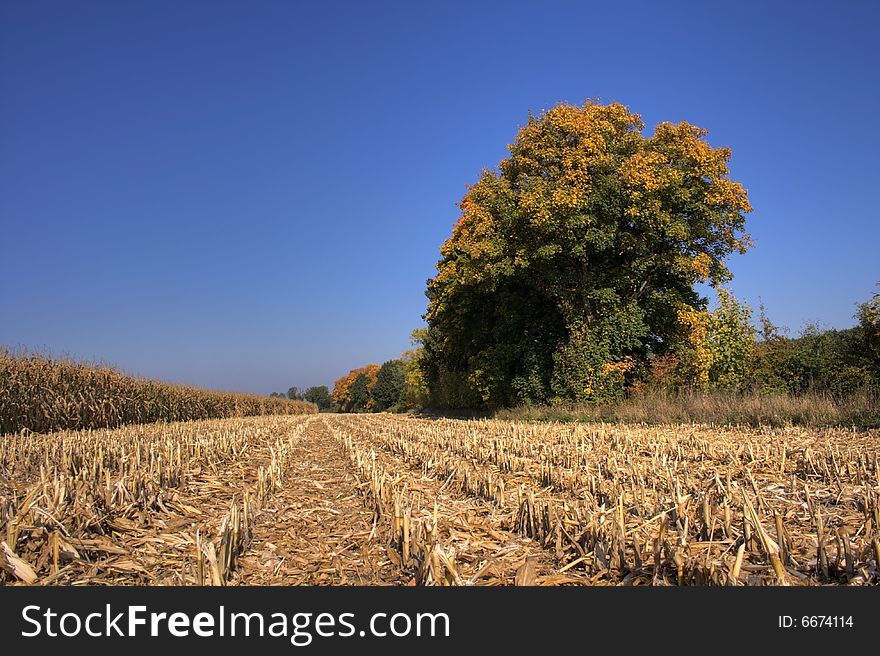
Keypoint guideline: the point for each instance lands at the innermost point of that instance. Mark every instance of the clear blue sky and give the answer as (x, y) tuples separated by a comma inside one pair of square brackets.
[(251, 195)]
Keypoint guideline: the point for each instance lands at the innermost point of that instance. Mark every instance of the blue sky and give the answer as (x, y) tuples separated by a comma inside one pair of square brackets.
[(251, 195)]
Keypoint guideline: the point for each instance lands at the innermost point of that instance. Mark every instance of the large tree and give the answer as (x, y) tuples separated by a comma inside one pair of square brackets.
[(577, 258)]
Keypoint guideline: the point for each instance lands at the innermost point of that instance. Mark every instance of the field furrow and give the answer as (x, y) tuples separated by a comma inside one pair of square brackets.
[(317, 530), (391, 500), (454, 536)]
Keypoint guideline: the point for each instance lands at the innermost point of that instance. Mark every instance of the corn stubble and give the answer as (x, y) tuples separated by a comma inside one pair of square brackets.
[(152, 504), (443, 502)]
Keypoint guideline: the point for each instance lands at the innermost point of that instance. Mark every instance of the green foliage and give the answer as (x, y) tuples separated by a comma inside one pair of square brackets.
[(294, 394), (320, 396), (576, 255), (840, 362), (869, 322), (415, 392), (359, 394), (389, 388), (730, 342), (341, 394), (833, 361)]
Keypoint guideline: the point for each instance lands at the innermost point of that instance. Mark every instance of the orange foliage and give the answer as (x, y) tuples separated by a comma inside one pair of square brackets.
[(343, 385)]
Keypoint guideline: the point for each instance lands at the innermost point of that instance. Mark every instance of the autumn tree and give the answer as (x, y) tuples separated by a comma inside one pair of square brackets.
[(342, 388), (720, 344), (578, 257)]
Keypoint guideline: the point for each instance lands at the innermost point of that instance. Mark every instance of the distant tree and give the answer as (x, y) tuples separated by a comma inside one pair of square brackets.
[(415, 393), (342, 387), (869, 322), (389, 387), (277, 395), (359, 394), (294, 394), (320, 396)]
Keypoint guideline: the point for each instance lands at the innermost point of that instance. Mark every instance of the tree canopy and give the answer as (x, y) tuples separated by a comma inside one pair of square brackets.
[(577, 258), (342, 398), (359, 393), (390, 383), (320, 396)]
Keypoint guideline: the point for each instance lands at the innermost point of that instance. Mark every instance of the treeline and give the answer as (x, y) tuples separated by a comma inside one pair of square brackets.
[(319, 395), (733, 370), (395, 386), (43, 394), (728, 352), (751, 375), (839, 362), (571, 280)]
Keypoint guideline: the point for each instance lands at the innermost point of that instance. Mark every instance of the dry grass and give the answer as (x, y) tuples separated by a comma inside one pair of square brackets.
[(40, 394), (861, 409), (379, 499)]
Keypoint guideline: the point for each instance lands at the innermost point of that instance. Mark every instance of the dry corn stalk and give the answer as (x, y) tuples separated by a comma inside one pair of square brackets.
[(15, 565)]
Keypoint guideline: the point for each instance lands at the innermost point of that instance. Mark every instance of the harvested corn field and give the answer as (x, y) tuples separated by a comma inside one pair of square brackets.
[(388, 500)]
